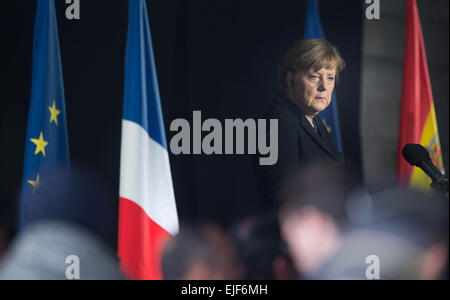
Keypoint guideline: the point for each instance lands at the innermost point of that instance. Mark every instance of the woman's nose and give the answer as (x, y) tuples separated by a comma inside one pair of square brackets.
[(321, 87)]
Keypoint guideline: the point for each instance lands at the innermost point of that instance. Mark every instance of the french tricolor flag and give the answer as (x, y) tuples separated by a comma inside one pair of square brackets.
[(147, 212)]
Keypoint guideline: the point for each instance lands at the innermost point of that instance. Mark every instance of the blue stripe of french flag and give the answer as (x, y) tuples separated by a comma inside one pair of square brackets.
[(147, 213)]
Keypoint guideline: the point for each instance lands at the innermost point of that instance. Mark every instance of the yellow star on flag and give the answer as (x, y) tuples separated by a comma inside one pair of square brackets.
[(40, 144), (54, 113), (36, 183)]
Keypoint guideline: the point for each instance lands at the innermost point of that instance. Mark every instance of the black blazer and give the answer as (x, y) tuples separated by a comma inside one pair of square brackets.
[(298, 145)]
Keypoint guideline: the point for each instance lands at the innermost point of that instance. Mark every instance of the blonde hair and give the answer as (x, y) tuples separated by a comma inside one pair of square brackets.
[(307, 54)]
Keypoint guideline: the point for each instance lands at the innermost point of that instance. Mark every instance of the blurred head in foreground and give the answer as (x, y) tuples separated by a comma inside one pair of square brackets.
[(313, 215), (76, 197), (397, 234), (261, 249), (68, 215), (200, 252)]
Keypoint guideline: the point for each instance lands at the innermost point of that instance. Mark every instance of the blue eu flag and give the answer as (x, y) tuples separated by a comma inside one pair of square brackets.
[(46, 143), (314, 30)]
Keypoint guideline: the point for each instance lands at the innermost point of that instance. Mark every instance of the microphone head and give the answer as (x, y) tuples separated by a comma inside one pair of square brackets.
[(415, 154)]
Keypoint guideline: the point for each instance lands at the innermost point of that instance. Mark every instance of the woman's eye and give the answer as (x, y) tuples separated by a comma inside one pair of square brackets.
[(331, 78)]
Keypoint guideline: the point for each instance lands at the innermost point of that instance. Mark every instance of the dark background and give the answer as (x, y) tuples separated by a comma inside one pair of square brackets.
[(219, 57)]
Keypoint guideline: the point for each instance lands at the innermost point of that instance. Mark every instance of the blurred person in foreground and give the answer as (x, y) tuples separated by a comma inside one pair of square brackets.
[(307, 77), (261, 249), (396, 234), (68, 214), (313, 217), (200, 252)]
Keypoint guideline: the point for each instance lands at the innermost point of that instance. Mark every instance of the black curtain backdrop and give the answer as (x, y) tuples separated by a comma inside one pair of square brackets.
[(219, 57)]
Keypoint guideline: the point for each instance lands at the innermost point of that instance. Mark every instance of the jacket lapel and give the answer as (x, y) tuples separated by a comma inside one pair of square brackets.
[(324, 142), (328, 142)]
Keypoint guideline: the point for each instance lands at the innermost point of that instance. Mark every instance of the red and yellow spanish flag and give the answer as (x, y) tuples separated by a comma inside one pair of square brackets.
[(417, 117)]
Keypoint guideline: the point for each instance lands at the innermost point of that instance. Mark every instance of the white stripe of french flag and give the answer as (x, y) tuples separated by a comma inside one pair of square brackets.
[(147, 209)]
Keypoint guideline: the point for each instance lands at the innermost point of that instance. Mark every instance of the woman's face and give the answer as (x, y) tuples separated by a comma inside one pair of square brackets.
[(311, 89)]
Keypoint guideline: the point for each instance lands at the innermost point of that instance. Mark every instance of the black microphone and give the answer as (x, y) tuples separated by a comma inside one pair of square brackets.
[(417, 155)]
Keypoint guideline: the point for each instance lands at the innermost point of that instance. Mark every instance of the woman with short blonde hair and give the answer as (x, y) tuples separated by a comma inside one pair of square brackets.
[(307, 77)]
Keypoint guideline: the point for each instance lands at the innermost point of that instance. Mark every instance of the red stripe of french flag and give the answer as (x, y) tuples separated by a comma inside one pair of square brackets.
[(140, 243)]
